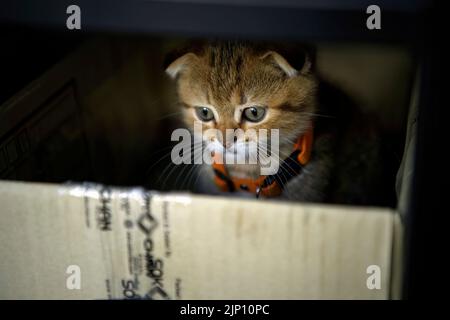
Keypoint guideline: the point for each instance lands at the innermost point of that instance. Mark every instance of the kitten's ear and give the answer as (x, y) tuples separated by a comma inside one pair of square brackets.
[(174, 68), (284, 65), (181, 57)]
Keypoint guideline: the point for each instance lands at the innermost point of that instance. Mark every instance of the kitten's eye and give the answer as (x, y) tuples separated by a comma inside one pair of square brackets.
[(254, 114), (204, 114)]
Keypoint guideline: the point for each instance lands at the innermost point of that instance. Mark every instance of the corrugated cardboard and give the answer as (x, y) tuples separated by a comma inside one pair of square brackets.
[(131, 243)]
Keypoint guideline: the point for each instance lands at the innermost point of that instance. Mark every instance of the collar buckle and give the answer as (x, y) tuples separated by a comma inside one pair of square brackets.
[(258, 192)]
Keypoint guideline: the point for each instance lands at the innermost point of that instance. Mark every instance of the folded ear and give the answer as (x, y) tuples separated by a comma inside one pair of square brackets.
[(184, 55), (284, 65), (177, 66)]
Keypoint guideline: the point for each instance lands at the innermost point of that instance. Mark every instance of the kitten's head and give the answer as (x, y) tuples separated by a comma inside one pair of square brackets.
[(230, 85)]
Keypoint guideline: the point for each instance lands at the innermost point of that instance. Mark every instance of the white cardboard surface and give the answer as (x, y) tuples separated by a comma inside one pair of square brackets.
[(137, 244)]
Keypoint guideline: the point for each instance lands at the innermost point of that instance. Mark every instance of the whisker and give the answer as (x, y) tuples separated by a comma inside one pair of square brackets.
[(319, 115), (169, 115), (190, 175), (193, 148), (165, 156), (181, 173)]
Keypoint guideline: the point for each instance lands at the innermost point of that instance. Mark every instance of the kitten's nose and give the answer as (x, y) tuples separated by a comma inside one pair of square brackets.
[(228, 135), (227, 143)]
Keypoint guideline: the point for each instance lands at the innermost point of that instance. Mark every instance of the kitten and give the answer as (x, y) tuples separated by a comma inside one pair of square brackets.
[(240, 85)]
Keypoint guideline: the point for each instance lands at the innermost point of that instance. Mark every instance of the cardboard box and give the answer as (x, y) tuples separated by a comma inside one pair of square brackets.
[(94, 242)]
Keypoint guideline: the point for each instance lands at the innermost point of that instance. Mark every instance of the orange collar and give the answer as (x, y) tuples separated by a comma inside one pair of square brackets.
[(268, 186)]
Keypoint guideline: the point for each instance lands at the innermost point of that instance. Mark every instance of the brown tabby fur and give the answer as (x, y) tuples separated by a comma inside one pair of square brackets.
[(227, 74)]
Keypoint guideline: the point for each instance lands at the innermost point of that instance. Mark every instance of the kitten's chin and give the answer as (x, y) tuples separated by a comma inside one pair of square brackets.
[(237, 163), (247, 171)]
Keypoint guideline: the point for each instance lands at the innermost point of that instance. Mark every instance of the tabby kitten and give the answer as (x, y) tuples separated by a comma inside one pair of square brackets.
[(240, 85)]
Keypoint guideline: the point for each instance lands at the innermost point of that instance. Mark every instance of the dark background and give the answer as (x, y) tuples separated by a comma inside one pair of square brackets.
[(34, 38)]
